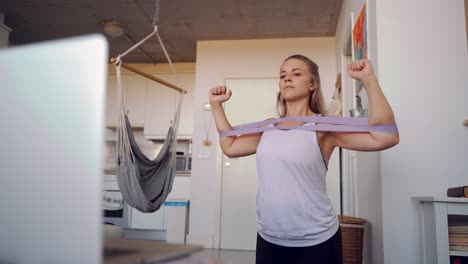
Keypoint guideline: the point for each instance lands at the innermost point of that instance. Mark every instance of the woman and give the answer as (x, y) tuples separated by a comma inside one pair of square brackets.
[(297, 223)]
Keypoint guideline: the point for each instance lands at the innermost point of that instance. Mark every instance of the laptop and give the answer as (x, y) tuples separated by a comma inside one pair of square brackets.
[(51, 144), (52, 115)]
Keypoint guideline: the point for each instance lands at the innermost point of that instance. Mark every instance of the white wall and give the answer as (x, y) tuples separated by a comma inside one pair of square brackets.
[(423, 66), (466, 18), (367, 195), (217, 60), (421, 62)]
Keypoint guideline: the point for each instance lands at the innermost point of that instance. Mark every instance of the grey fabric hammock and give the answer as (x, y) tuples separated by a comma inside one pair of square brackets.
[(144, 183)]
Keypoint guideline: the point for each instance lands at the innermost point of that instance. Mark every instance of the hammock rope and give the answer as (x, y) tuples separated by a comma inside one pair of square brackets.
[(145, 183)]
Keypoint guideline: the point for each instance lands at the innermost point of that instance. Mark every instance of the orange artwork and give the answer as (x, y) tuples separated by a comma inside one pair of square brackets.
[(360, 40)]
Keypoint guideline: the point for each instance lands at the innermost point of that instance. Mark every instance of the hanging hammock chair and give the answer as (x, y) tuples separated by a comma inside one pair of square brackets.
[(145, 183)]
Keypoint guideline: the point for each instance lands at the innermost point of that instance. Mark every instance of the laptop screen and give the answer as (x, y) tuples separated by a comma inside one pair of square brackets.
[(52, 116)]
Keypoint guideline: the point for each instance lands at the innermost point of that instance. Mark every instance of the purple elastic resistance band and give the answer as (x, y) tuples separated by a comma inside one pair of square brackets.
[(339, 124)]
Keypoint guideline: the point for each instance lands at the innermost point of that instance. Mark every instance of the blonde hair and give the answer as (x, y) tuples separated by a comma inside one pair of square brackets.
[(316, 103)]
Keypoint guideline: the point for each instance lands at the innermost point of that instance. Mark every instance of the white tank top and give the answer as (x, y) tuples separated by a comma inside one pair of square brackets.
[(293, 207)]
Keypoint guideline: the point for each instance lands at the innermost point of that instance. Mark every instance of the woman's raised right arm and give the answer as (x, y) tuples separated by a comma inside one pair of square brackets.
[(232, 146)]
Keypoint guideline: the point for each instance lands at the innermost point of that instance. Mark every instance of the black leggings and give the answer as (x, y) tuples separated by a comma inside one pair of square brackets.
[(329, 252)]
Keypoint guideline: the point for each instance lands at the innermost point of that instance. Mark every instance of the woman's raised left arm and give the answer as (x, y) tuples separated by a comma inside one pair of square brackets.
[(381, 113)]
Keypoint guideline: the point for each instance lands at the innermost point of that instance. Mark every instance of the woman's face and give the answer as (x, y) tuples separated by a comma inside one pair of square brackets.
[(295, 80)]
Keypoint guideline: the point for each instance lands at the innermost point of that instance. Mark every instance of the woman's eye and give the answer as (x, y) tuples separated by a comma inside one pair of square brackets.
[(282, 76), (297, 74)]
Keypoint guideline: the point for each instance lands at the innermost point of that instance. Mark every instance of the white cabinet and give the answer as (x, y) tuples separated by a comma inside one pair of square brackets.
[(155, 221), (169, 223), (146, 226), (188, 107), (160, 107), (151, 104), (177, 212), (161, 103), (434, 216), (134, 88), (180, 188), (151, 221), (112, 107)]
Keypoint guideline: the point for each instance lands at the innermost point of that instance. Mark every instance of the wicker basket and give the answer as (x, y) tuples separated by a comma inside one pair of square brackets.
[(352, 232)]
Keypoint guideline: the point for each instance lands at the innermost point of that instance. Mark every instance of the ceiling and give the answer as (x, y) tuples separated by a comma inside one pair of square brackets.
[(181, 22)]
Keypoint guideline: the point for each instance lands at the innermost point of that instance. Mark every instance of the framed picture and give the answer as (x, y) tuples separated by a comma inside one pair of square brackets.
[(359, 40)]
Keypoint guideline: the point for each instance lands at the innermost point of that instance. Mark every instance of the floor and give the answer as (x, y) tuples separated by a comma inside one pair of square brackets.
[(205, 256), (219, 256)]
